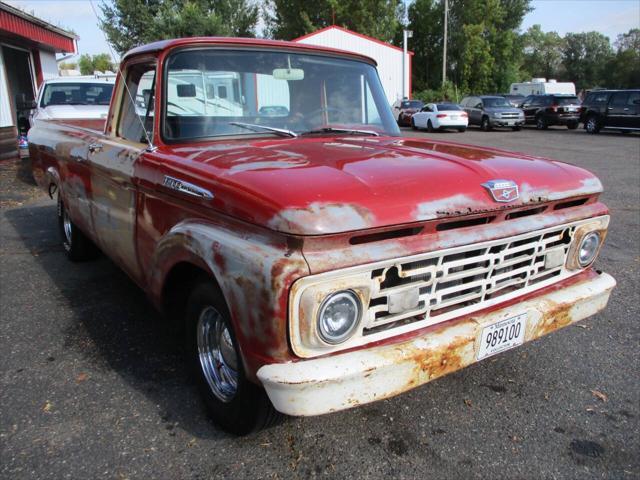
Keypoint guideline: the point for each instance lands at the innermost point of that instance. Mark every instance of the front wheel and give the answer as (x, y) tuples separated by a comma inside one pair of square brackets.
[(76, 244), (485, 125), (591, 125), (236, 404), (541, 123), (572, 125), (515, 129)]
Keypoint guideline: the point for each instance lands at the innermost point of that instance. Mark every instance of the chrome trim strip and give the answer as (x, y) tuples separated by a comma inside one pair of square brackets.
[(186, 187)]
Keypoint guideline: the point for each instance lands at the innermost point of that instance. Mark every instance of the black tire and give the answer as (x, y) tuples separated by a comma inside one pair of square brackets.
[(572, 125), (400, 120), (248, 409), (541, 123), (515, 129), (429, 126), (591, 125), (462, 129), (413, 124), (76, 244), (485, 125)]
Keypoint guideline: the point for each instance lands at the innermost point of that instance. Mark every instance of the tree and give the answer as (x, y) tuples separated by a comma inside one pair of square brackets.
[(623, 70), (585, 58), (129, 23), (100, 63), (425, 20), (542, 53), (288, 19)]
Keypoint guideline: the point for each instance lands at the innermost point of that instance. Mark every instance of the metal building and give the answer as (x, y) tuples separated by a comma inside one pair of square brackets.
[(394, 70), (28, 48)]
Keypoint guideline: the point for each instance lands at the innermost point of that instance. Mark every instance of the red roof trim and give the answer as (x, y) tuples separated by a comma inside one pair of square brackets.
[(35, 30), (346, 30)]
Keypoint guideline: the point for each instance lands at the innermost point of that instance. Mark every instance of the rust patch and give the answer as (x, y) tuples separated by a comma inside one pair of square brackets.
[(555, 316)]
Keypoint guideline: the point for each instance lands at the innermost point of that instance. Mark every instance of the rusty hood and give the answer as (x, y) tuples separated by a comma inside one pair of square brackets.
[(320, 185)]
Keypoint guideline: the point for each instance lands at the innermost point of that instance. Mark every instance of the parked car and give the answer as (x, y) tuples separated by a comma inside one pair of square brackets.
[(316, 261), (515, 100), (546, 110), (73, 97), (616, 109), (403, 110), (437, 116), (490, 111)]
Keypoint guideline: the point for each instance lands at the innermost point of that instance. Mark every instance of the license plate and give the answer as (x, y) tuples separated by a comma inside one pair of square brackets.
[(571, 109), (454, 117), (502, 335)]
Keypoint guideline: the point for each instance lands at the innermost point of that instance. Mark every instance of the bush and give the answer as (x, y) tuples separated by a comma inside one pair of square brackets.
[(447, 92)]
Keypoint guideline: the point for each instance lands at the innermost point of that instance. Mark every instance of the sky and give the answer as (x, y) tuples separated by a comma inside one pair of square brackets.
[(610, 17)]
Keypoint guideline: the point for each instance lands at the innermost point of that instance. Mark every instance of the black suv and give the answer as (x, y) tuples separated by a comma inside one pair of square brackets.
[(546, 110), (618, 109)]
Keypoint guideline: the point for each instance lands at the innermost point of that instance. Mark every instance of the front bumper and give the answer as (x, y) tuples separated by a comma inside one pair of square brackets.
[(338, 382), (506, 122)]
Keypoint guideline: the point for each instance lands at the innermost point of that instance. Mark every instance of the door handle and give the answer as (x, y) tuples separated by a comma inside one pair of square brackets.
[(95, 147), (609, 108), (626, 109)]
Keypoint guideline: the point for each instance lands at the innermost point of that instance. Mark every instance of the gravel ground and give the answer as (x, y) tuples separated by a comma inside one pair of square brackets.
[(93, 386)]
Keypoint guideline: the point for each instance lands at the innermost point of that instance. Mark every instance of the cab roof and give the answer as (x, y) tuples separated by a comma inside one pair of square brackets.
[(240, 42)]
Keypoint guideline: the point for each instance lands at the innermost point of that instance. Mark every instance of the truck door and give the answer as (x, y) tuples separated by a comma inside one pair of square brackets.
[(113, 158), (617, 109)]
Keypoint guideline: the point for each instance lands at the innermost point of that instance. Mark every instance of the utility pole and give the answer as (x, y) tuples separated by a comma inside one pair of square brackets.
[(405, 35), (444, 50)]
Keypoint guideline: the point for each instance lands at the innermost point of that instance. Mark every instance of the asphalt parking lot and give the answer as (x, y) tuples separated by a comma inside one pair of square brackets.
[(93, 386)]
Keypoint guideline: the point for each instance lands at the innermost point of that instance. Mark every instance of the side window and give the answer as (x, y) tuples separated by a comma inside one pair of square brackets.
[(634, 98), (619, 99), (141, 83)]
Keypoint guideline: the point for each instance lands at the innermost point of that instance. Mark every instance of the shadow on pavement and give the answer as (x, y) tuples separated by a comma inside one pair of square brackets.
[(114, 327)]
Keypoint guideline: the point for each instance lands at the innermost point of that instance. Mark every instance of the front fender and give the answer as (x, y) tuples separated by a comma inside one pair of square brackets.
[(254, 269)]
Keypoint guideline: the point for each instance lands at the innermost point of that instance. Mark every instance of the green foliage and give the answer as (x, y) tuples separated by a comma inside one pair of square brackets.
[(288, 19), (484, 47), (623, 69), (447, 92), (585, 58), (129, 23), (89, 64), (542, 53)]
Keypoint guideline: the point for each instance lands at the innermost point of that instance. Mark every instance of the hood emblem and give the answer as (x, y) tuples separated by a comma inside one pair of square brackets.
[(186, 187), (502, 190)]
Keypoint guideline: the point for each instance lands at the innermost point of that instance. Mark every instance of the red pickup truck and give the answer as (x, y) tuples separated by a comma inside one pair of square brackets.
[(262, 196)]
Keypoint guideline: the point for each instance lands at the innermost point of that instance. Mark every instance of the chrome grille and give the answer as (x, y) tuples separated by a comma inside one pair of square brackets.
[(449, 283), (509, 115)]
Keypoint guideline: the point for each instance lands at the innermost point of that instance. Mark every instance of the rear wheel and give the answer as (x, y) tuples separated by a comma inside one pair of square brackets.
[(236, 404), (76, 244), (485, 125), (572, 125), (462, 129), (591, 125), (413, 124), (541, 123), (429, 126)]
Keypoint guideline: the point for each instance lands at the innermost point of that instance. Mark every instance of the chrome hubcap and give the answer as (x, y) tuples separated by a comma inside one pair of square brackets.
[(217, 356), (66, 225)]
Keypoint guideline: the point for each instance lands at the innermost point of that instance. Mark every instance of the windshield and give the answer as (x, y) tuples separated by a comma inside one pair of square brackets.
[(209, 89), (412, 104), (76, 94), (496, 102), (447, 106)]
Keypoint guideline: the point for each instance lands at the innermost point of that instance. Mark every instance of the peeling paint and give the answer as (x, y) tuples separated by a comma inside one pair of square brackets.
[(322, 218)]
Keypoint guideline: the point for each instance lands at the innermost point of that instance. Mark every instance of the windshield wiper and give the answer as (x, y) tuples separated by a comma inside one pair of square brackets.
[(258, 128), (350, 131)]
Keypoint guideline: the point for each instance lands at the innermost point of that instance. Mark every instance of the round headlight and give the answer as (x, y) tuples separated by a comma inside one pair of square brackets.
[(588, 248), (338, 316)]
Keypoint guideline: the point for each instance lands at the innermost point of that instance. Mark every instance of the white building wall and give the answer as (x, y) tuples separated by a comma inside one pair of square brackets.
[(6, 118), (48, 64), (389, 59)]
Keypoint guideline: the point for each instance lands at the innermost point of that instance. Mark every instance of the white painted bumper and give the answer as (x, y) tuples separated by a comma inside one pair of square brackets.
[(338, 382)]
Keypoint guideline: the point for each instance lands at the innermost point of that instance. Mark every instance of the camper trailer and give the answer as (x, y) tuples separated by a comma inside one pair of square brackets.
[(540, 86)]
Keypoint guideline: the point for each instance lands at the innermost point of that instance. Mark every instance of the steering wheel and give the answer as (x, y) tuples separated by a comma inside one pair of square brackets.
[(322, 110)]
